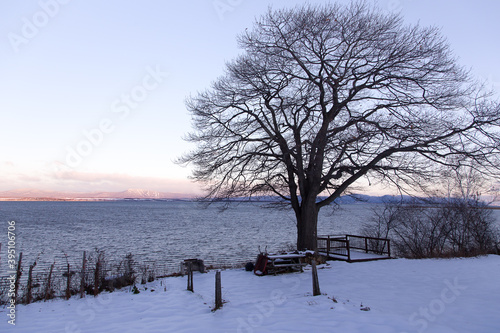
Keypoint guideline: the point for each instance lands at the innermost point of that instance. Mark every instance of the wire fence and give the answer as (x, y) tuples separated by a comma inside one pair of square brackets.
[(64, 277)]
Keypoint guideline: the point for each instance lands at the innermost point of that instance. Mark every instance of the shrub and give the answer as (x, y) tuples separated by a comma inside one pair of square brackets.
[(440, 228)]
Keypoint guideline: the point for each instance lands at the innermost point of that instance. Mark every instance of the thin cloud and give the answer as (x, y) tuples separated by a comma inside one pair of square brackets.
[(94, 181), (29, 178)]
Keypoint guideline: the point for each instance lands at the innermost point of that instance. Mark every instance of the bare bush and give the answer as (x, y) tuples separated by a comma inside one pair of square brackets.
[(148, 273), (446, 227), (382, 224), (125, 275), (420, 233), (471, 227)]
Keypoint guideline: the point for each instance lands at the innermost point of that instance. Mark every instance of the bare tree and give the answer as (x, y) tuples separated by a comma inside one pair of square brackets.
[(324, 96)]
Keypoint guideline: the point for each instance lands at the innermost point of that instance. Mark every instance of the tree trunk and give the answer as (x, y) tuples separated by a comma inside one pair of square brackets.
[(307, 222)]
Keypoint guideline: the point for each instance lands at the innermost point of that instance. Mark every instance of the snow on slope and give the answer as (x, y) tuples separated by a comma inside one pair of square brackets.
[(128, 194), (457, 295)]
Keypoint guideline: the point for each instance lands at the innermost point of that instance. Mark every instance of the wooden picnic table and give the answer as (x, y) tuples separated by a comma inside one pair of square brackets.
[(280, 262)]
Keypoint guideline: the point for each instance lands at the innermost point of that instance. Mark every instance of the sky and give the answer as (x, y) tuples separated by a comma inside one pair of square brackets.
[(92, 93)]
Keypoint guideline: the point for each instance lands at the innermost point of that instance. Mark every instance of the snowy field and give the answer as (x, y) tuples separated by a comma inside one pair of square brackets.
[(456, 295)]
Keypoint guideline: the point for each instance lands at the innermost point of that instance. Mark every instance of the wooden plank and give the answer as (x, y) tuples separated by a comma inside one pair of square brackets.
[(286, 256), (289, 265)]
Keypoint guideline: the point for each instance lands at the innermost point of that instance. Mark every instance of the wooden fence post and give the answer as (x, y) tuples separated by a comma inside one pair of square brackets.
[(218, 291), (96, 277), (30, 283), (82, 283), (68, 284), (49, 282), (315, 280), (18, 275), (190, 277), (348, 247)]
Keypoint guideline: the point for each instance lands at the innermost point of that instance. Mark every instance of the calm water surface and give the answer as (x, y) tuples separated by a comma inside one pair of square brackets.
[(161, 231)]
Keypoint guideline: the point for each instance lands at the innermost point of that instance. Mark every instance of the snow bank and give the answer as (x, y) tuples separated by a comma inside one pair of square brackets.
[(457, 295)]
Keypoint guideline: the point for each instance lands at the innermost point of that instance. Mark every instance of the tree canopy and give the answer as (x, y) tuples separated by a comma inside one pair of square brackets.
[(324, 96)]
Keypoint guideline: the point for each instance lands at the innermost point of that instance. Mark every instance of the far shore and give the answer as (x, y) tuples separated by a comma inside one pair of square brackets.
[(28, 199)]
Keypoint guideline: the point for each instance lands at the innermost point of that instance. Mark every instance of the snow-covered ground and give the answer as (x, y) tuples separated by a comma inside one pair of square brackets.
[(456, 295)]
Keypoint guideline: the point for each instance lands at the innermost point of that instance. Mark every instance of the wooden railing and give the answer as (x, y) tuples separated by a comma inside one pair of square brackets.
[(342, 245)]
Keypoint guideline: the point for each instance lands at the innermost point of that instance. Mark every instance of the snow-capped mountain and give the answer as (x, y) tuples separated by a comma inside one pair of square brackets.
[(34, 194)]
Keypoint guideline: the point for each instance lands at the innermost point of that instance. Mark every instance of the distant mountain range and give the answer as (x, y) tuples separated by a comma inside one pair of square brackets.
[(33, 194), (141, 194), (40, 195)]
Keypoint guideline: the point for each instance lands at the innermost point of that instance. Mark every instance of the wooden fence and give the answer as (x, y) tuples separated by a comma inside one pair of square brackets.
[(90, 274), (351, 247)]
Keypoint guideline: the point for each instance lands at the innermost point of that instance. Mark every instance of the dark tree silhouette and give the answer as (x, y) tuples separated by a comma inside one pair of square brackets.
[(324, 96)]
